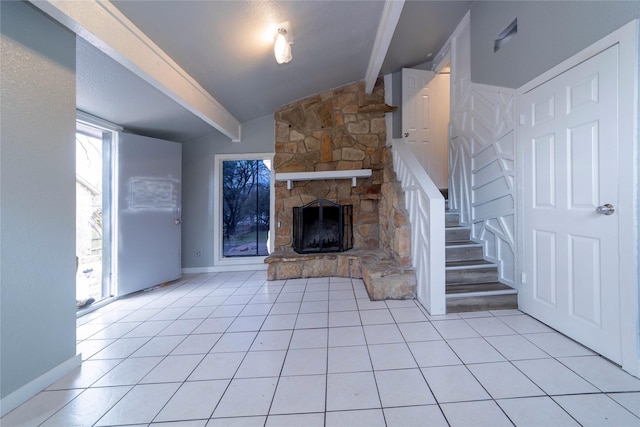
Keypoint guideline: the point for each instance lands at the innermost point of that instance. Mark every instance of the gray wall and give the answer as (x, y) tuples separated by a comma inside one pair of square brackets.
[(548, 33), (37, 195), (197, 184), (396, 99)]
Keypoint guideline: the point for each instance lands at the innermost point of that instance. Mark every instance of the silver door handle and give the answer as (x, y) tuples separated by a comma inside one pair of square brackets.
[(178, 221), (606, 209)]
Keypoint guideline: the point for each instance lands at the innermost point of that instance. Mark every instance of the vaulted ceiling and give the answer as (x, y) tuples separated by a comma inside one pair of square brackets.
[(227, 48)]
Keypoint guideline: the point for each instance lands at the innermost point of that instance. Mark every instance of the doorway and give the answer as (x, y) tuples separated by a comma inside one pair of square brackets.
[(246, 194), (576, 169), (243, 203), (149, 212), (425, 120), (93, 214), (570, 168)]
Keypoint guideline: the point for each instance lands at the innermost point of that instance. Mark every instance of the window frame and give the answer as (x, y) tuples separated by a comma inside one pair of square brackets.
[(239, 263)]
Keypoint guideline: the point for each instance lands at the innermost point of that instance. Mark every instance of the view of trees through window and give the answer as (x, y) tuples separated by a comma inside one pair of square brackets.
[(245, 211)]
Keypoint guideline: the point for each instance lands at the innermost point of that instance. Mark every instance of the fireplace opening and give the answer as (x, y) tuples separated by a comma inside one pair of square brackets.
[(322, 226)]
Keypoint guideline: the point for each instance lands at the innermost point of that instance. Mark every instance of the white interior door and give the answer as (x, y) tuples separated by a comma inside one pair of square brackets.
[(149, 207), (425, 119), (570, 168)]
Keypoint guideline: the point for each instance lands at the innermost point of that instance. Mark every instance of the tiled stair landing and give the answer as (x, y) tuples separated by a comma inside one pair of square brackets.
[(383, 277), (471, 282)]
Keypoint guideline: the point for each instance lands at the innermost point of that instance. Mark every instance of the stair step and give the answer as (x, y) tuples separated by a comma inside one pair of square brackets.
[(481, 294), (462, 243), (482, 303), (475, 271), (491, 288), (461, 251), (457, 234), (469, 264), (462, 277), (451, 219)]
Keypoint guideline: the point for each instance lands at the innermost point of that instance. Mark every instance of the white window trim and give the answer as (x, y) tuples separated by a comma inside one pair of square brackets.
[(96, 122), (248, 263)]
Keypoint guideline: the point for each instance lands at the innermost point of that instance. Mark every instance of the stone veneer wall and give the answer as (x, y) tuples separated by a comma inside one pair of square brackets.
[(338, 130), (395, 227)]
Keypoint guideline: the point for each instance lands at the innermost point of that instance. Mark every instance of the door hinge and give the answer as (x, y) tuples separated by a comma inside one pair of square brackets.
[(523, 119), (523, 277)]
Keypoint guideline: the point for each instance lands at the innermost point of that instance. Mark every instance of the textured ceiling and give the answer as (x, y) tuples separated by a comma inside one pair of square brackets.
[(227, 47)]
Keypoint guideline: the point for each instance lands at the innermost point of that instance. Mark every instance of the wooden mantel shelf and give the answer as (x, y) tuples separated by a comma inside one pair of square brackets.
[(314, 176)]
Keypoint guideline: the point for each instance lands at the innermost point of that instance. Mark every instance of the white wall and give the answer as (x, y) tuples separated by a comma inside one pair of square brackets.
[(37, 197), (258, 136)]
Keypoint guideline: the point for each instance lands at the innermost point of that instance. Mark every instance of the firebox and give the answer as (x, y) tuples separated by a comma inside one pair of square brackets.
[(322, 226)]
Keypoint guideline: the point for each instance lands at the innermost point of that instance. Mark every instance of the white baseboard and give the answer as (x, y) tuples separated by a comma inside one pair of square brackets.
[(27, 391)]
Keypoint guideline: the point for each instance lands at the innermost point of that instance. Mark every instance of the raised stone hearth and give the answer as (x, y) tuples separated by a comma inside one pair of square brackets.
[(383, 277), (343, 129)]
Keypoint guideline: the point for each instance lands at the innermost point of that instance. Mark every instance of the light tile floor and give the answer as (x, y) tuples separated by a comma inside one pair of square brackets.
[(232, 349)]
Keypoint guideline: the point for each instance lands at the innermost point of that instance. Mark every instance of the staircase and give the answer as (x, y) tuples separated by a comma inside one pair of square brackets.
[(471, 281)]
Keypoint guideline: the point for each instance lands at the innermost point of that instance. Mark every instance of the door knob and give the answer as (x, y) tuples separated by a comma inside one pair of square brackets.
[(406, 134), (606, 209), (178, 221)]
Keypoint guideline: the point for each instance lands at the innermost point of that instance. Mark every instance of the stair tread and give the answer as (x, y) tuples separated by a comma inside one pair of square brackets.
[(478, 287), (481, 303), (470, 263), (458, 243)]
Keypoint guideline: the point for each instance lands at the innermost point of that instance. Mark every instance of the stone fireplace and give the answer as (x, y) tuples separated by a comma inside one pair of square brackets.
[(322, 226), (329, 133), (339, 138)]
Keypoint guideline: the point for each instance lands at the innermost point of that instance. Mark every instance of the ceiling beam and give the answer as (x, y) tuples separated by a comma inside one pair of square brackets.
[(108, 29), (388, 22)]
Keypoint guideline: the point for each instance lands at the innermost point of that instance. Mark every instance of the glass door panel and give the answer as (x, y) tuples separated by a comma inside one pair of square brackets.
[(246, 207), (93, 215)]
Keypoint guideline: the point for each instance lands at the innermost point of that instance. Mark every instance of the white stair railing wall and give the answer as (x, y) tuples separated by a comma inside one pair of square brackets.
[(493, 191), (482, 178), (425, 205), (481, 158)]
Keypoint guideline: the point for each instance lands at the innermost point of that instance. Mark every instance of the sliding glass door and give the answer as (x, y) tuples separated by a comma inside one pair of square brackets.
[(94, 147), (244, 206)]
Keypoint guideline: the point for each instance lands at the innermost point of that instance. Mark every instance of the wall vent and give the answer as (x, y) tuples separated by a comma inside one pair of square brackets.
[(506, 34)]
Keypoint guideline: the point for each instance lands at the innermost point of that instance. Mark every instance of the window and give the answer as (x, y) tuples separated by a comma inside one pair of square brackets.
[(244, 207), (95, 145)]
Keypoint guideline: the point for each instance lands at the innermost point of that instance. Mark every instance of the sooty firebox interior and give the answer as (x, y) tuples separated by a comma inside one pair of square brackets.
[(322, 226)]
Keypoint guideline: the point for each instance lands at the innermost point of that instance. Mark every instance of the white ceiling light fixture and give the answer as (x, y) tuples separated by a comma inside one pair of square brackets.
[(282, 47)]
